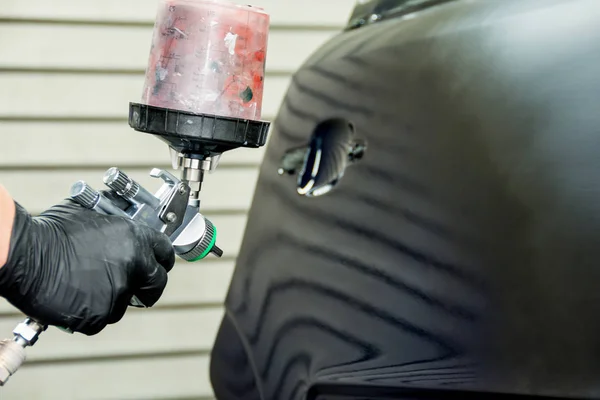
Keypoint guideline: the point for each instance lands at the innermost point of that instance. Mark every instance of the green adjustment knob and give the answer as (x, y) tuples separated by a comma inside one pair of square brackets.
[(205, 246)]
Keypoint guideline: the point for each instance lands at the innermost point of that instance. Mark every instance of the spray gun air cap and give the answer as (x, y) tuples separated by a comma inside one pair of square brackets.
[(197, 240), (208, 57)]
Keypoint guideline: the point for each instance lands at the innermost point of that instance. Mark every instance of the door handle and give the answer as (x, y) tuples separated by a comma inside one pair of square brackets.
[(321, 164)]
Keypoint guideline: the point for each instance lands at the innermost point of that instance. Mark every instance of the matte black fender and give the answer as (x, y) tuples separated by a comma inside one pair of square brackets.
[(461, 252)]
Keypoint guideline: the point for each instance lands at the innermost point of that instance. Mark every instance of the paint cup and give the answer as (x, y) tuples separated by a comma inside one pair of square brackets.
[(208, 57)]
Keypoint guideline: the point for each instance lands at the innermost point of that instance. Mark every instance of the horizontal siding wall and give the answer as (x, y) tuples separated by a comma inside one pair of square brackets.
[(68, 69)]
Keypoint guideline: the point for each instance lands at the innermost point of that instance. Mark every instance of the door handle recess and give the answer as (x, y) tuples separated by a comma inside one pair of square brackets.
[(322, 163)]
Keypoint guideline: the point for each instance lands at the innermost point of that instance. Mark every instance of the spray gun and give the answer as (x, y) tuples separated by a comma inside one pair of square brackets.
[(171, 211), (202, 96)]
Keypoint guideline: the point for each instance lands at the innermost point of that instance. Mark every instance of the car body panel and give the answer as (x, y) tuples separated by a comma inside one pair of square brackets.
[(460, 253)]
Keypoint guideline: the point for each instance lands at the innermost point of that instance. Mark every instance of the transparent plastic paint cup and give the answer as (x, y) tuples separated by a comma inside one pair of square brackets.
[(208, 57)]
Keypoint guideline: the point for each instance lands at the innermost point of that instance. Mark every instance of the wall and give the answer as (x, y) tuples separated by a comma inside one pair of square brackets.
[(68, 69)]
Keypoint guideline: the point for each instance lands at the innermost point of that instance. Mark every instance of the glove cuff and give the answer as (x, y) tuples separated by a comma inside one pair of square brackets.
[(17, 268)]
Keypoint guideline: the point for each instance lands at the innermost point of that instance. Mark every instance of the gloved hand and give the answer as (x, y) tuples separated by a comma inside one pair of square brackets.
[(75, 268)]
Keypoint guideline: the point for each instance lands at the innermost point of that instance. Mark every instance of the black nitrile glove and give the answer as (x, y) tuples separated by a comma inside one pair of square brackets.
[(75, 268)]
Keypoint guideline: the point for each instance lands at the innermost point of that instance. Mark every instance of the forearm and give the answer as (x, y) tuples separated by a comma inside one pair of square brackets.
[(7, 216)]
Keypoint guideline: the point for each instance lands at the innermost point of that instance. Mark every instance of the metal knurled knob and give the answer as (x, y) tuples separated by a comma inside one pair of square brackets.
[(83, 194), (118, 181), (205, 246)]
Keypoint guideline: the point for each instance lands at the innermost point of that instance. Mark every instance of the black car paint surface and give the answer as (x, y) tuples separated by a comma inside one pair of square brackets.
[(460, 254)]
